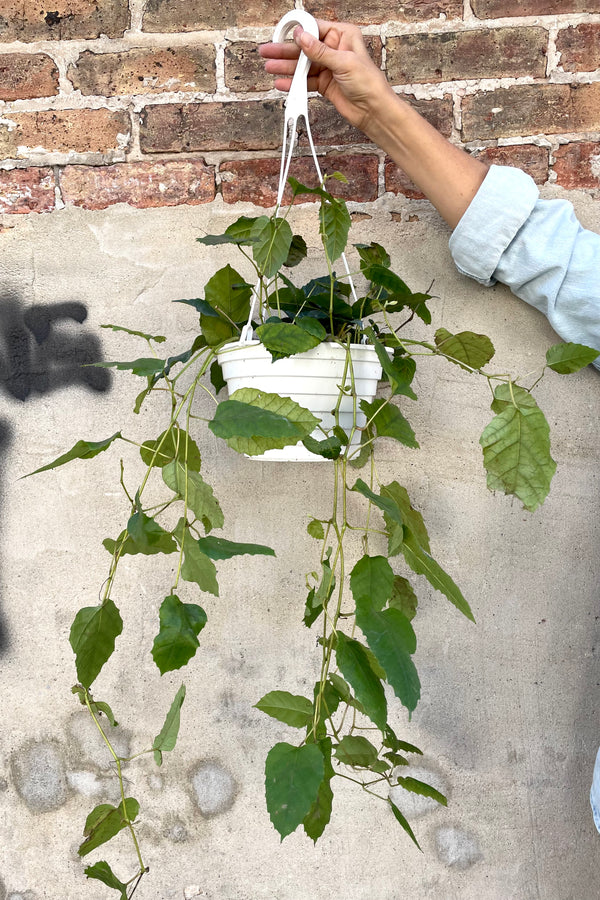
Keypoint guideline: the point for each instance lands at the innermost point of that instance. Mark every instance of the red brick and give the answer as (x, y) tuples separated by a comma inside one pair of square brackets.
[(245, 69), (577, 165), (27, 20), (371, 12), (493, 9), (532, 159), (196, 15), (257, 180), (150, 71), (532, 109), (176, 127), (579, 48), (468, 54), (330, 128), (398, 182), (26, 75), (26, 190), (78, 130), (142, 185)]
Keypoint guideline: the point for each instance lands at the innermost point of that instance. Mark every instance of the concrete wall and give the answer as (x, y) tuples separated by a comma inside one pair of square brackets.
[(508, 717)]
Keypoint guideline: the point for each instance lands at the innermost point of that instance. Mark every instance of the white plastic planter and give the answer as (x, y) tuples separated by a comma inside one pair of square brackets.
[(312, 379)]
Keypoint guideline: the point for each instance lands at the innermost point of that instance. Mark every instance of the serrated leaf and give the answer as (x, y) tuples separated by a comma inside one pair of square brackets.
[(144, 366), (320, 812), (404, 598), (299, 188), (411, 516), (293, 776), (467, 349), (197, 566), (424, 790), (335, 223), (423, 564), (157, 338), (252, 421), (372, 254), (400, 371), (200, 496), (92, 638), (319, 598), (355, 750), (289, 708), (166, 739), (385, 503), (403, 822), (388, 421), (391, 637), (177, 639), (272, 240), (316, 530), (283, 339), (239, 232), (105, 821), (99, 708), (568, 358), (312, 326), (148, 536), (298, 251), (81, 450), (382, 276), (101, 871), (229, 295), (371, 581), (354, 665), (329, 448), (516, 447), (174, 443), (219, 548)]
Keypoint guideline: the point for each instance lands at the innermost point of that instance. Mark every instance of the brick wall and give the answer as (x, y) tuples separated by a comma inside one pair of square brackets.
[(165, 102)]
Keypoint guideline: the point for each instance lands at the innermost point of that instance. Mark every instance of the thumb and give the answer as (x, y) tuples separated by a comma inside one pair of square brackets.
[(318, 52)]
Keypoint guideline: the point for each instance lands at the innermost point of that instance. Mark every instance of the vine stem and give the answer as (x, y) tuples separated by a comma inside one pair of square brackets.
[(117, 759)]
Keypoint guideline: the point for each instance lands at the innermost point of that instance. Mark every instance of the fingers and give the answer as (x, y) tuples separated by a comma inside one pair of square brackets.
[(289, 50)]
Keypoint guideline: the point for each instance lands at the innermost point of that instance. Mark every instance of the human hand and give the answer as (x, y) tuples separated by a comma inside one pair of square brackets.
[(341, 70)]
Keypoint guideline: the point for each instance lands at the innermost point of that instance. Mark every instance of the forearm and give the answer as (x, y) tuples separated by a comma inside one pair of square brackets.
[(447, 176)]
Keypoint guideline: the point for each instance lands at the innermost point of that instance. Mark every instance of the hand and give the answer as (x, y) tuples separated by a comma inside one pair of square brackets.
[(341, 70)]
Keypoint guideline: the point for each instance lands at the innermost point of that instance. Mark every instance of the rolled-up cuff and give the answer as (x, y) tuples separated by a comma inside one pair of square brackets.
[(500, 208)]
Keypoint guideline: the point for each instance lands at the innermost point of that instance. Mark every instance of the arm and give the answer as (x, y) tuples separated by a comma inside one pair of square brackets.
[(345, 74)]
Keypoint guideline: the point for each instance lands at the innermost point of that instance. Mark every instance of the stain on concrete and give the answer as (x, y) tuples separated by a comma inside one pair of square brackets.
[(176, 832), (193, 891), (86, 737), (3, 785), (214, 788), (39, 775), (90, 784), (22, 895), (2, 890), (156, 782), (414, 805), (457, 848)]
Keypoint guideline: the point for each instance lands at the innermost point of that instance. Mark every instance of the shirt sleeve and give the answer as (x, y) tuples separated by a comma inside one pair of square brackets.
[(537, 248)]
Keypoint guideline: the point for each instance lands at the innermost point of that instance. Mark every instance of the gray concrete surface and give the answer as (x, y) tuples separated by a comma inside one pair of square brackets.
[(508, 719)]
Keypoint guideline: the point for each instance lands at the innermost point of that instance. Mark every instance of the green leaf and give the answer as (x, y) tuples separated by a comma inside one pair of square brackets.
[(99, 708), (157, 338), (388, 421), (229, 295), (400, 371), (568, 358), (382, 276), (200, 497), (283, 339), (316, 530), (390, 740), (239, 232), (174, 443), (289, 708), (252, 421), (391, 637), (92, 637), (103, 872), (312, 326), (197, 566), (319, 598), (516, 447), (354, 665), (320, 812), (167, 737), (466, 349), (400, 818), (144, 367), (105, 821), (299, 188), (423, 564), (424, 790), (404, 598), (216, 331), (371, 581), (219, 548), (354, 750), (298, 252), (386, 504), (81, 450), (148, 537), (410, 516), (177, 640), (216, 377), (334, 227), (272, 241), (329, 448), (372, 254), (293, 778)]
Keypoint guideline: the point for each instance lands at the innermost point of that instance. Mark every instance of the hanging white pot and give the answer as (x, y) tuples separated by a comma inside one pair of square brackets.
[(312, 379)]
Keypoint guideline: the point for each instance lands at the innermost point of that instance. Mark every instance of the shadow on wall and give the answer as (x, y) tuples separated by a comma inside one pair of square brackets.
[(43, 349)]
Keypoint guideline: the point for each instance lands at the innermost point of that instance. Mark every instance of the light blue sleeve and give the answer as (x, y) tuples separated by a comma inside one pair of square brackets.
[(537, 248)]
